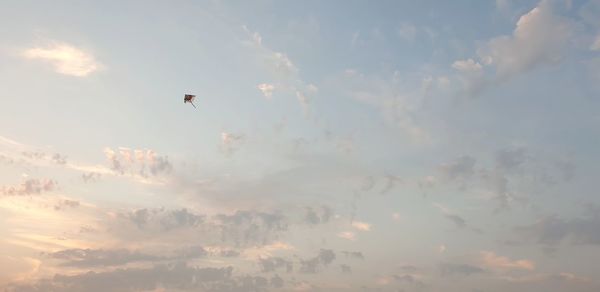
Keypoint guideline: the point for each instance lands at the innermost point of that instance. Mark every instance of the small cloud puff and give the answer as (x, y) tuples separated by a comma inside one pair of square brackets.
[(266, 89)]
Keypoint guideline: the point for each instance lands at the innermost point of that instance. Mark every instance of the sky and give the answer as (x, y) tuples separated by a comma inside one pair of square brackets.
[(336, 146)]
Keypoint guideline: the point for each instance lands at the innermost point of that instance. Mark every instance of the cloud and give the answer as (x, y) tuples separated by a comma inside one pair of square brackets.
[(459, 221), (283, 64), (34, 154), (29, 187), (59, 159), (326, 256), (408, 268), (221, 251), (314, 217), (595, 46), (66, 204), (284, 69), (557, 281), (511, 158), (168, 276), (246, 227), (540, 38), (442, 248), (448, 214), (368, 184), (349, 235), (398, 103), (461, 169), (362, 226), (182, 217), (411, 280), (511, 175), (164, 219), (353, 254), (265, 250), (450, 269), (6, 160), (346, 269), (467, 66), (427, 182), (390, 183), (266, 89), (137, 162), (552, 230), (277, 281), (496, 262), (312, 265), (471, 75), (309, 266), (230, 142), (255, 231), (99, 257), (90, 176), (272, 264), (66, 59)]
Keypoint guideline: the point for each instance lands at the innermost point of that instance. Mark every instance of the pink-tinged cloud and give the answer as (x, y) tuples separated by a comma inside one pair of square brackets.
[(347, 235), (362, 226), (493, 261)]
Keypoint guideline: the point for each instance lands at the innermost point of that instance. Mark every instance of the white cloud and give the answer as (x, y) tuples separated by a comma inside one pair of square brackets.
[(283, 64), (540, 37), (468, 65), (284, 70), (65, 58), (266, 89)]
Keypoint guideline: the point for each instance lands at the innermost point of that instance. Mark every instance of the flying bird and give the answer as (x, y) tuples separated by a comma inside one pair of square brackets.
[(189, 98)]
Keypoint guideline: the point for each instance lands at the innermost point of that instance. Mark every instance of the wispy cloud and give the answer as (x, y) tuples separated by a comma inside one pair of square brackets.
[(284, 70), (450, 215), (65, 58), (494, 261), (231, 142)]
